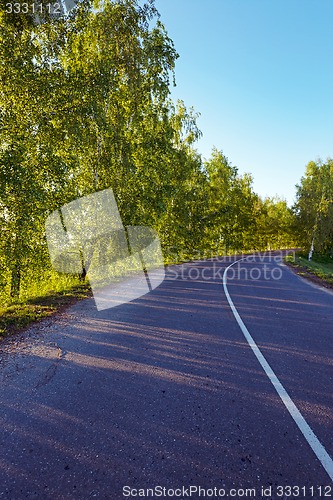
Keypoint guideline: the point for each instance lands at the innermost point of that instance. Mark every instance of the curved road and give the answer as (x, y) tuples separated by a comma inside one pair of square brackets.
[(165, 392)]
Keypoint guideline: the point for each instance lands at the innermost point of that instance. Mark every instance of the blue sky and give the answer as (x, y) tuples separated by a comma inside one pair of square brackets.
[(260, 72)]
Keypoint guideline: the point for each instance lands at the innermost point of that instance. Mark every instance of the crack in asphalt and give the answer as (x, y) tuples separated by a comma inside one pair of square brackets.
[(52, 369)]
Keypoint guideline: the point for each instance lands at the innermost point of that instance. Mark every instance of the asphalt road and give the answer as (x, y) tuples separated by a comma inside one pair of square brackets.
[(165, 392)]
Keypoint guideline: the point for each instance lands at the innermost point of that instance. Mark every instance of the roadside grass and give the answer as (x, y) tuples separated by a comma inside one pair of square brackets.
[(319, 269), (15, 317)]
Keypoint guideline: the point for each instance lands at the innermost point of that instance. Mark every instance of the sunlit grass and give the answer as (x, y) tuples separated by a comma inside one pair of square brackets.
[(40, 297), (320, 266), (50, 282), (322, 269), (14, 318)]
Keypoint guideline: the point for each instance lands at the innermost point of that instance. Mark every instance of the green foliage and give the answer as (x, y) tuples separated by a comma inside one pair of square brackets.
[(274, 225), (314, 207), (230, 213)]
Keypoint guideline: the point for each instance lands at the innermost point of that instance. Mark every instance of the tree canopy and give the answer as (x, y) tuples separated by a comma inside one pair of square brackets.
[(85, 105)]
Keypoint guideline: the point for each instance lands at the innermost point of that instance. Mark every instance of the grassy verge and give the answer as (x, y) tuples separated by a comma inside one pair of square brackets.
[(318, 270), (15, 317)]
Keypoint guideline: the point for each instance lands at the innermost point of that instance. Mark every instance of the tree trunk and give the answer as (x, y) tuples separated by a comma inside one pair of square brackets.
[(16, 267), (311, 250), (15, 280)]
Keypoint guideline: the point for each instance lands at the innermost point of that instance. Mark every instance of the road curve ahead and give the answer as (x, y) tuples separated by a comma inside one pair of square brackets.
[(166, 392)]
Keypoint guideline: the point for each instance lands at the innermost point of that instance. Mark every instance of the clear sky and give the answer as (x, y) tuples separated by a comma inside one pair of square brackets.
[(260, 72)]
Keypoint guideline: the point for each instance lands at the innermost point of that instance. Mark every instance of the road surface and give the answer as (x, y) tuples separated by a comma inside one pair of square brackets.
[(166, 392)]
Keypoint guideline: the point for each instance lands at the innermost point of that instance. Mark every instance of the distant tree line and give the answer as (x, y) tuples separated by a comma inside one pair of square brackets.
[(85, 105)]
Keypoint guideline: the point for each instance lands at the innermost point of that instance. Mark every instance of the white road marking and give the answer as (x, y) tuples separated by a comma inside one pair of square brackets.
[(303, 426)]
